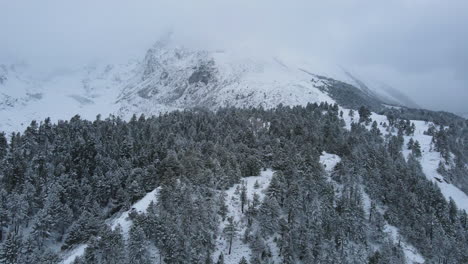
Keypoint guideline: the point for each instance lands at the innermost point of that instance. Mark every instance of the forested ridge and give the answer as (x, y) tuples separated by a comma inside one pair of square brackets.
[(60, 182)]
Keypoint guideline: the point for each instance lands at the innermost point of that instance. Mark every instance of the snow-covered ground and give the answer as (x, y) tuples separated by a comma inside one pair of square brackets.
[(122, 220), (239, 249), (71, 255), (430, 162), (430, 159), (88, 92), (329, 161), (411, 253), (348, 119), (139, 207)]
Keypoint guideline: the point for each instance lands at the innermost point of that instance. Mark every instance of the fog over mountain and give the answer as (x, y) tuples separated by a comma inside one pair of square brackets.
[(417, 47)]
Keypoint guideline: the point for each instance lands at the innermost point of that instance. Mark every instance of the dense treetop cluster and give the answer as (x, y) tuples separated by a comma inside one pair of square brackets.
[(60, 182)]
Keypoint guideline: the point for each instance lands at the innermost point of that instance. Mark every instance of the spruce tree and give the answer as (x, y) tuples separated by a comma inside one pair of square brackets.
[(243, 261), (243, 196), (10, 250), (416, 149), (137, 246), (230, 232)]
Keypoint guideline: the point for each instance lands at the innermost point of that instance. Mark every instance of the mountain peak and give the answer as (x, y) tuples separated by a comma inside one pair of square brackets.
[(172, 76)]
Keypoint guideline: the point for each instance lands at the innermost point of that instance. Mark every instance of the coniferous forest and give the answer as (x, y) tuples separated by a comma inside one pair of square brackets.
[(60, 183)]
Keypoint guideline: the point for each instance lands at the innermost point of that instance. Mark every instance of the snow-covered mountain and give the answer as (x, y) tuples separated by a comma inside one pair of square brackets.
[(380, 90), (464, 115), (168, 77)]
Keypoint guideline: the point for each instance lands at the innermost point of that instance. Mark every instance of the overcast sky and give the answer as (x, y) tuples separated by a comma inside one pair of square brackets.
[(417, 46)]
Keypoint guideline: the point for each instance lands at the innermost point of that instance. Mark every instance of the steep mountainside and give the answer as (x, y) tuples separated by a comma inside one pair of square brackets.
[(169, 77)]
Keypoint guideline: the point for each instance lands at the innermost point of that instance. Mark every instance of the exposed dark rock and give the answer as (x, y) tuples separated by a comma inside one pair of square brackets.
[(202, 74), (82, 100), (147, 92), (37, 96), (150, 64)]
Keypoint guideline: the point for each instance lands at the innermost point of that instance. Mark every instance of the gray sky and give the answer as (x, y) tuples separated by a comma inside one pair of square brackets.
[(417, 46)]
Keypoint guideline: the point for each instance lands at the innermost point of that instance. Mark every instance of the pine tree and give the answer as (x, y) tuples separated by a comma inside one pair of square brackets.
[(135, 191), (230, 231), (3, 145), (59, 215), (11, 249), (256, 185), (269, 214), (351, 114), (375, 129), (137, 246), (416, 149), (243, 261), (364, 115), (223, 209), (410, 144), (31, 251), (258, 248), (276, 187), (112, 246), (220, 259), (41, 226), (255, 201), (243, 196), (18, 210), (48, 256)]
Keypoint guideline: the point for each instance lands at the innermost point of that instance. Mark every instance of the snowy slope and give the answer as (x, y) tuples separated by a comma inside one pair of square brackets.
[(378, 90), (122, 220), (429, 161), (412, 255), (87, 92), (173, 77), (240, 249), (139, 207), (329, 161)]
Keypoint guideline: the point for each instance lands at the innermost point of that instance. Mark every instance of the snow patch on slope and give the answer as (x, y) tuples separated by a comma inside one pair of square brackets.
[(430, 162), (412, 255), (139, 207), (74, 253), (329, 161), (123, 220), (239, 249)]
